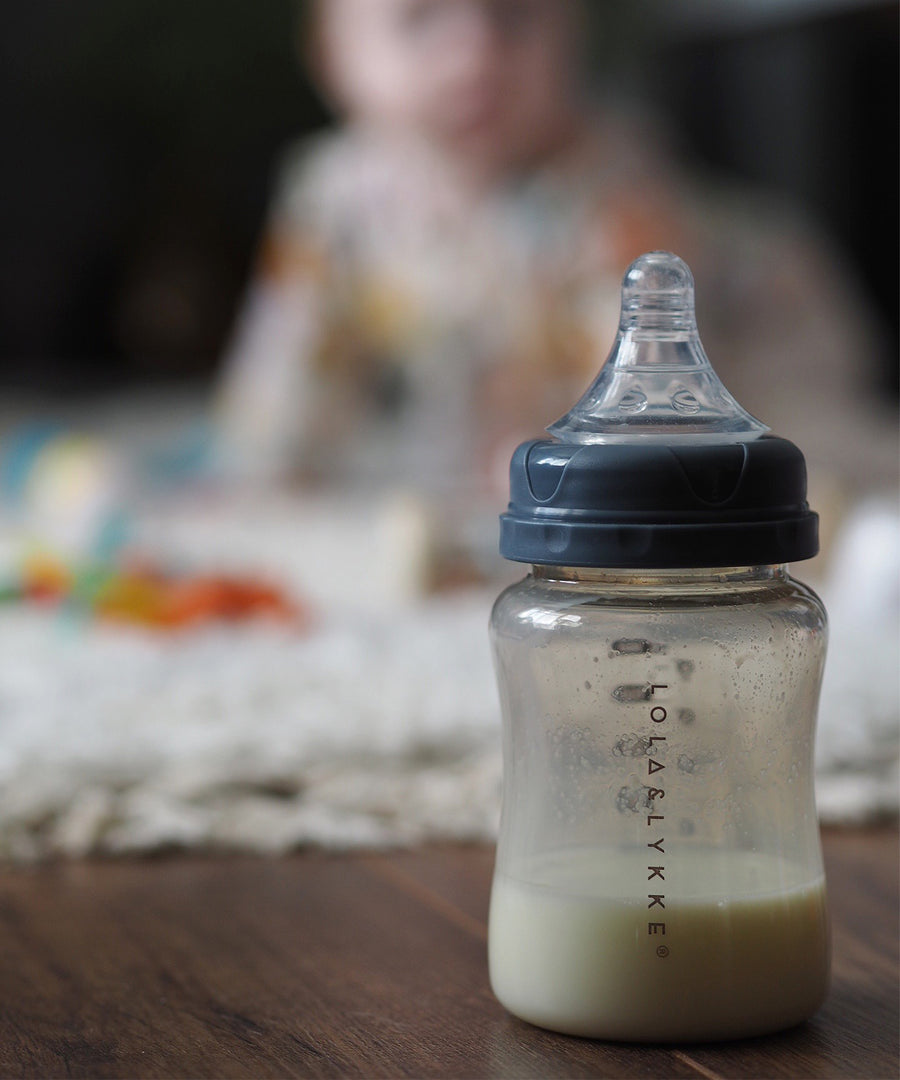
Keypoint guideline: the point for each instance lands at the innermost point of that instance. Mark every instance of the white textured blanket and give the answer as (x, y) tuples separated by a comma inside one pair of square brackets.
[(118, 741)]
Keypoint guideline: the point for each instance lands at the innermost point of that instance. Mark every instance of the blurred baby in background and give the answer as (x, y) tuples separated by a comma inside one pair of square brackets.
[(439, 277)]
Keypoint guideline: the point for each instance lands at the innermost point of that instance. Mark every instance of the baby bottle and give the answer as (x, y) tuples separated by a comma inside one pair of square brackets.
[(659, 874)]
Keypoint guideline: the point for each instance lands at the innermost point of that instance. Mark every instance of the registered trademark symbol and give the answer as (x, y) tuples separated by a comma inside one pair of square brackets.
[(662, 951)]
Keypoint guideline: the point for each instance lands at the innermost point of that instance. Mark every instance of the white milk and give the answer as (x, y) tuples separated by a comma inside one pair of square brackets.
[(745, 948)]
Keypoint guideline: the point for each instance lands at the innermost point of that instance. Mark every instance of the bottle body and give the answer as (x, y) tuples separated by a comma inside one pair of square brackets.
[(659, 873)]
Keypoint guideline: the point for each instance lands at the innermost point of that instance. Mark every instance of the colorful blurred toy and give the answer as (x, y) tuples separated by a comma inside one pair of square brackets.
[(68, 495), (66, 488), (147, 596)]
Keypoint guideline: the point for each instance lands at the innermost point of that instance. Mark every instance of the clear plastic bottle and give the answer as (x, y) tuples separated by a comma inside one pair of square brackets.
[(659, 874)]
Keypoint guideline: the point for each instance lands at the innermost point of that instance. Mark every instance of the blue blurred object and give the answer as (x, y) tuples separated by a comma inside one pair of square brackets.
[(18, 453)]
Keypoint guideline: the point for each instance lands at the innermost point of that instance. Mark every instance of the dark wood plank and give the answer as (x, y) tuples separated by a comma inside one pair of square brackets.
[(459, 874), (366, 965), (856, 1032), (309, 966)]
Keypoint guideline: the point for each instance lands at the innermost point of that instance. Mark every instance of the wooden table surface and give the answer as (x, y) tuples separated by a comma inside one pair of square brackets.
[(364, 965)]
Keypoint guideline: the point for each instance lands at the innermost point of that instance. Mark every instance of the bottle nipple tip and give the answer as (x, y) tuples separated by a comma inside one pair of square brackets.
[(659, 271), (658, 283)]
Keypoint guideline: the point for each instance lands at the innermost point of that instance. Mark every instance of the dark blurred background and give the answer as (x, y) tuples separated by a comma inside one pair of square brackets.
[(141, 138)]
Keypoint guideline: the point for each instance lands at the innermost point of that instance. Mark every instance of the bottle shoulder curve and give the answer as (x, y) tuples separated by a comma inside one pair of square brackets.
[(807, 600), (536, 604)]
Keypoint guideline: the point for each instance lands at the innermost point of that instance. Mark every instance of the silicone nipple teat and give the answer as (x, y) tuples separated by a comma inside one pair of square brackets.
[(657, 383)]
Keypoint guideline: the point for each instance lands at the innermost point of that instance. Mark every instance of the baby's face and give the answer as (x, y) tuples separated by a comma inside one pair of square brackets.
[(489, 80)]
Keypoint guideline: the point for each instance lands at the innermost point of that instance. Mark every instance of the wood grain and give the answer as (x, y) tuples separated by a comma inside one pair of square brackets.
[(363, 966)]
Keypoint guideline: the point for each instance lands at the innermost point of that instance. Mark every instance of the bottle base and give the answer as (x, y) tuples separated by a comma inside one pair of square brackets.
[(603, 1030)]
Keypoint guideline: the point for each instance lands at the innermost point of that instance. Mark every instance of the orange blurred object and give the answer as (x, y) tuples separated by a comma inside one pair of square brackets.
[(45, 578), (152, 600), (143, 595)]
